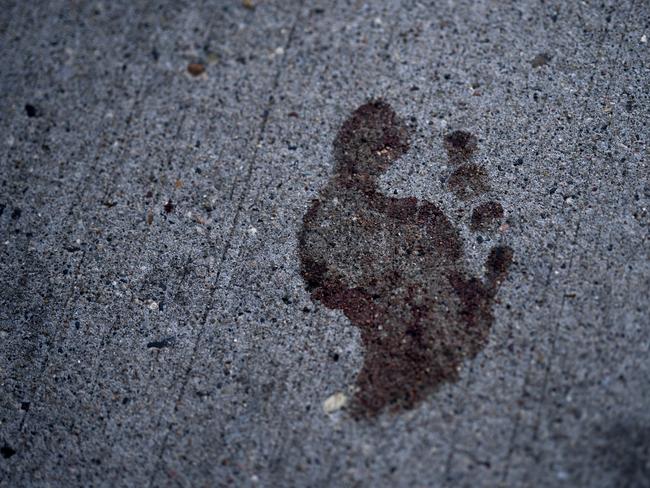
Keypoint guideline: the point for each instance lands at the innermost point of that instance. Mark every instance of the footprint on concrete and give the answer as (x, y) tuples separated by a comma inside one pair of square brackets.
[(396, 266)]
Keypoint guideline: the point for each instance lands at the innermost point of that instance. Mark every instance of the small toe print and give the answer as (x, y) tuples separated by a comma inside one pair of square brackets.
[(460, 146), (469, 181), (486, 216)]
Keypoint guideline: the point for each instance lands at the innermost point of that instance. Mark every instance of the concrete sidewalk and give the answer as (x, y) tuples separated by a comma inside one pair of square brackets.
[(156, 164)]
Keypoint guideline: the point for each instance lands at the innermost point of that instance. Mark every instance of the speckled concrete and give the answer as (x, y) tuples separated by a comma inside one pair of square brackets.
[(154, 326)]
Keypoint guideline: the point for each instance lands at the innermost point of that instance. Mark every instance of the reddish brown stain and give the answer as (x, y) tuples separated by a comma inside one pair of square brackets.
[(486, 216), (395, 267), (460, 146), (468, 181)]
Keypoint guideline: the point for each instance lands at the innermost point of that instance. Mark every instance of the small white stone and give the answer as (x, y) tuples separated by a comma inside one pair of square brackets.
[(644, 38), (335, 402), (252, 231), (153, 305)]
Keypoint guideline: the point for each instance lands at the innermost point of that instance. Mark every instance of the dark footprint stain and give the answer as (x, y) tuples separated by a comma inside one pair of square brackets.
[(396, 269)]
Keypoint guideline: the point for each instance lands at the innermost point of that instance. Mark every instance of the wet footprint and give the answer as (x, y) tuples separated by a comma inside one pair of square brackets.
[(396, 266)]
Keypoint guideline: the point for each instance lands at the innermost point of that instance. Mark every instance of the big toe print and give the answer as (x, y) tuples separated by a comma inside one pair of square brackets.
[(396, 266)]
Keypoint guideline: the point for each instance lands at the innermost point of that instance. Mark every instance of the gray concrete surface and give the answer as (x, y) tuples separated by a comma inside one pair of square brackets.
[(102, 126)]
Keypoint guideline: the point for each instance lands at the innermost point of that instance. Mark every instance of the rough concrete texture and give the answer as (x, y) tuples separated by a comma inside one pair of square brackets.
[(155, 329)]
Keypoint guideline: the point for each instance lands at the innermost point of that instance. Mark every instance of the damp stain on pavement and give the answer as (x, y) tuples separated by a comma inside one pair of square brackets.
[(396, 267)]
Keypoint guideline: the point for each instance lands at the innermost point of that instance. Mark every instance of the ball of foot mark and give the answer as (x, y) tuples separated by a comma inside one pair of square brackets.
[(396, 267)]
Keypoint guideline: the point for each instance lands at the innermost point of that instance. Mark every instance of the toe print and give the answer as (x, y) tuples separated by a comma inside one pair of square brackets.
[(460, 146), (396, 267), (469, 182), (486, 216)]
